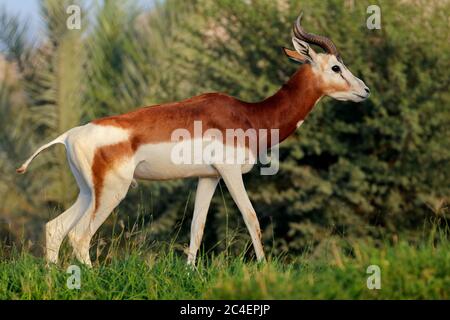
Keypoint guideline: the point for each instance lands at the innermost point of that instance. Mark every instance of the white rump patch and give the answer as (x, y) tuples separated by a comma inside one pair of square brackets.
[(107, 135), (86, 139)]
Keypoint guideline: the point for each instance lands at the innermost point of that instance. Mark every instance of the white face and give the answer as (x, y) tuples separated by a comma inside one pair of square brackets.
[(339, 83)]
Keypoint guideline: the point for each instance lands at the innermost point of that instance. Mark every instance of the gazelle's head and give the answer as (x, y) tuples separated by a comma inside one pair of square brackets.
[(335, 79)]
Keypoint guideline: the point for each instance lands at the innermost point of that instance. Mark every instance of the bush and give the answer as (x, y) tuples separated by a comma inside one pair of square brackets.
[(370, 170)]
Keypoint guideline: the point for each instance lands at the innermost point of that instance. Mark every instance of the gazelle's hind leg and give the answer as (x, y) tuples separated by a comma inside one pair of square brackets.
[(114, 189), (57, 229)]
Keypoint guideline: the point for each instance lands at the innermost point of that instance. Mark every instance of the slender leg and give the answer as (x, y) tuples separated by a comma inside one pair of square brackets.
[(115, 188), (232, 175), (205, 192), (80, 239), (57, 229)]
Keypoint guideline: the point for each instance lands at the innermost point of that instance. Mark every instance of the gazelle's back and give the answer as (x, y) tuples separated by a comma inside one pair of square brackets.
[(156, 123)]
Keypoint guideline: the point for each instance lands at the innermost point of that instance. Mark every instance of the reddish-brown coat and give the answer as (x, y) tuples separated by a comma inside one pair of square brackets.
[(105, 158), (282, 111)]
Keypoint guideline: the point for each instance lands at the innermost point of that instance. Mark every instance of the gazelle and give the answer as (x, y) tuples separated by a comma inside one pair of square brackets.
[(107, 154)]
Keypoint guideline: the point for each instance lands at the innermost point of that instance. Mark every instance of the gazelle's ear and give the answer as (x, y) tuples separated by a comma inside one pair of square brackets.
[(303, 52), (293, 55)]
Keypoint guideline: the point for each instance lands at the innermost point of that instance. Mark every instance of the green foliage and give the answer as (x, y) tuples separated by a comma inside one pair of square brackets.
[(372, 170), (353, 170), (407, 272), (56, 100)]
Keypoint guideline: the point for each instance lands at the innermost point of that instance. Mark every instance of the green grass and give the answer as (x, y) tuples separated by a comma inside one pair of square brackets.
[(407, 272)]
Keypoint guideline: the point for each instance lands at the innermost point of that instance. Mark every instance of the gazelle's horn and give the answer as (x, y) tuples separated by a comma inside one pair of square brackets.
[(321, 41)]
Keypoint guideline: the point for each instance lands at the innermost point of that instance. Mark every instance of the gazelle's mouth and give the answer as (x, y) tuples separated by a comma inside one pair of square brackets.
[(360, 96)]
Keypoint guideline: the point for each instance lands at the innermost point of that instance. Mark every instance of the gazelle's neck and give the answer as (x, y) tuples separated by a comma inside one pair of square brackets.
[(290, 105)]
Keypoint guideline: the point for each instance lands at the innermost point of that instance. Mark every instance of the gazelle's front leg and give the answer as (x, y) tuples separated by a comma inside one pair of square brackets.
[(232, 175), (205, 192)]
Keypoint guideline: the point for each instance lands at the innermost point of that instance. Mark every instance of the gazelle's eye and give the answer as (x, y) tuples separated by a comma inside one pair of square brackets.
[(336, 69)]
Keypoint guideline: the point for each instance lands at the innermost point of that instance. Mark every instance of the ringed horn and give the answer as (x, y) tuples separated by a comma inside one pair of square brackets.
[(320, 41)]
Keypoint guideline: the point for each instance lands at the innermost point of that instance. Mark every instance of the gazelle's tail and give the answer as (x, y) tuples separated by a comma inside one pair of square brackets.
[(61, 139)]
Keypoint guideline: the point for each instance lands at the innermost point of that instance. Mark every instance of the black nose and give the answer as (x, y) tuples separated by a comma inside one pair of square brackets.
[(367, 90)]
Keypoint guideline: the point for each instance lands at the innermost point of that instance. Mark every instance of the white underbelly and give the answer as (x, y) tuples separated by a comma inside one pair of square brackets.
[(161, 162), (149, 170)]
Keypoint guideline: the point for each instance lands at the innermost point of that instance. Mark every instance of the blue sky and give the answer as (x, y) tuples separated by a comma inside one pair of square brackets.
[(28, 10), (24, 7)]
